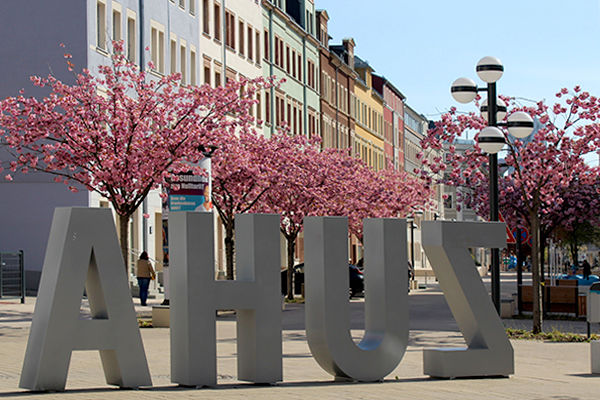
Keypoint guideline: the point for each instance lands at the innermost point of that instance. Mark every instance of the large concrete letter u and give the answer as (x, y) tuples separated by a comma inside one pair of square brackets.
[(386, 308)]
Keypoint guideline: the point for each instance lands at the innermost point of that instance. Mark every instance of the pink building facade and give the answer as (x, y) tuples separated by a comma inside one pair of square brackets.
[(393, 113)]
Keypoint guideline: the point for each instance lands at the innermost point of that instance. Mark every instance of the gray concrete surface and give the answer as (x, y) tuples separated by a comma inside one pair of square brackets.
[(542, 370)]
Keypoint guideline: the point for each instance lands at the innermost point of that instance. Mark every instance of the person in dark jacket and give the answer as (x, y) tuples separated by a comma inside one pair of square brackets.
[(587, 269)]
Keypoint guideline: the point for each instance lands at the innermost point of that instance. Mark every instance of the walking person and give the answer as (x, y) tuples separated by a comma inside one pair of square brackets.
[(145, 273), (587, 269)]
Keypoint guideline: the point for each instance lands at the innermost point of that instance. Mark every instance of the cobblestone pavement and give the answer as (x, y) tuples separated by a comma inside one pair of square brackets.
[(542, 370)]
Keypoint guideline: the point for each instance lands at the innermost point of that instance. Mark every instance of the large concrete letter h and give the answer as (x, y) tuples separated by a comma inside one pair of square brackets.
[(195, 295)]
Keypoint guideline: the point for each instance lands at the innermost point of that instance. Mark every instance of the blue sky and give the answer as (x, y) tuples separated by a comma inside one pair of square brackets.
[(423, 46)]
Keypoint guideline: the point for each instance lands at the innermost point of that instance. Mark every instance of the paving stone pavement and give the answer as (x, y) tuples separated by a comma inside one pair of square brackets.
[(542, 370)]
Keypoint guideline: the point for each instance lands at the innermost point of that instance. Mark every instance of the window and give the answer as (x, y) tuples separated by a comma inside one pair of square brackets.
[(173, 52), (217, 22), (182, 4), (183, 63), (287, 59), (311, 74), (193, 66), (101, 25), (250, 46), (266, 44), (157, 50), (193, 7), (131, 45), (300, 67), (230, 76), (217, 78), (207, 74), (294, 63), (448, 202), (230, 30), (276, 50), (258, 107), (281, 53), (294, 122), (267, 107), (241, 38), (205, 17), (257, 47), (116, 25)]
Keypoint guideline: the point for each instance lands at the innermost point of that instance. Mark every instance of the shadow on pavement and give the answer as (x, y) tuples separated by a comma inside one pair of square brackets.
[(427, 312)]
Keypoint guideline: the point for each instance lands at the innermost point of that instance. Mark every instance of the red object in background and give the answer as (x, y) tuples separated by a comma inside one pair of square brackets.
[(510, 238)]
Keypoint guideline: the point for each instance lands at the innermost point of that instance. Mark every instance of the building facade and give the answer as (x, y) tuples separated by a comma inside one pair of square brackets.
[(367, 107), (337, 85), (169, 29), (291, 52), (231, 34), (393, 115), (328, 91), (415, 129)]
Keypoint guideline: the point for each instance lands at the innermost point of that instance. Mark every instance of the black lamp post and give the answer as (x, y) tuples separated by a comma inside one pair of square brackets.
[(491, 139), (412, 242)]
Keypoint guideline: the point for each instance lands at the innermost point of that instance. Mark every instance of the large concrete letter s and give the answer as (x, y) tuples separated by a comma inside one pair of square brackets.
[(83, 242), (195, 295), (489, 352), (386, 300)]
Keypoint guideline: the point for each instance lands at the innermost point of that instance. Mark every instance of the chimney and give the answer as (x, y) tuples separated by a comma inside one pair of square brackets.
[(349, 48)]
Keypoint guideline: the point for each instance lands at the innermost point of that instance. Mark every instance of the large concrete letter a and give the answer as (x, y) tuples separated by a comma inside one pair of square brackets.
[(82, 242), (386, 299), (195, 295)]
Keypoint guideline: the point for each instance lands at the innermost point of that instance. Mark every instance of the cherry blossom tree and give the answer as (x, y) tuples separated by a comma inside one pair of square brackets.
[(548, 184), (333, 183), (388, 193), (119, 131), (244, 168), (299, 185)]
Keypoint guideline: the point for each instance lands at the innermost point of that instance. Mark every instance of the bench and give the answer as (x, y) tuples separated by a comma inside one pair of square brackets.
[(556, 299), (563, 282)]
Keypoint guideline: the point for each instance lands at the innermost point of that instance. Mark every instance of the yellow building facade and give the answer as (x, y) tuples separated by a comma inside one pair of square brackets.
[(367, 109)]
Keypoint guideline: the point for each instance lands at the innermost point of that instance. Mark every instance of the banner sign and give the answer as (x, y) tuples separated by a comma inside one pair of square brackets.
[(193, 192)]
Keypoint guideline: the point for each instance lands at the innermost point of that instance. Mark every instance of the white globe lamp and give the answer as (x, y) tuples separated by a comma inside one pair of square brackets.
[(463, 90), (491, 140), (500, 109), (520, 124), (489, 69)]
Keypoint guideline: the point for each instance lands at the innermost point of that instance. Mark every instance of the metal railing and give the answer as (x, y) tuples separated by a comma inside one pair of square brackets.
[(12, 276)]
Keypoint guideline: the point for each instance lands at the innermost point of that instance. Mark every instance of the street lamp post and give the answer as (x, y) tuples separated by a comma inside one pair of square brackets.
[(412, 243), (411, 219), (491, 139)]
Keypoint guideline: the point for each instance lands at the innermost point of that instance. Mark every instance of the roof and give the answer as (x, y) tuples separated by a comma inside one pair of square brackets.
[(390, 85), (360, 63)]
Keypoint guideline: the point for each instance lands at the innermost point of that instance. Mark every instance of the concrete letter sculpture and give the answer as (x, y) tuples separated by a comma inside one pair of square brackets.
[(83, 250), (386, 300), (195, 295), (489, 352)]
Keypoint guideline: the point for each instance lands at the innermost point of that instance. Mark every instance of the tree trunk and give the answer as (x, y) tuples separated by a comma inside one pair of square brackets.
[(123, 239), (575, 253), (229, 249), (542, 258), (291, 246), (536, 273)]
